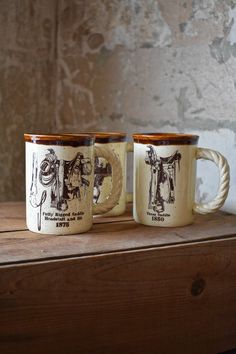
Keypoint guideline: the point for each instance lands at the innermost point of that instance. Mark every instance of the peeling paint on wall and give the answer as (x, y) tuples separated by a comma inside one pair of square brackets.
[(183, 103), (139, 24), (148, 65), (222, 48)]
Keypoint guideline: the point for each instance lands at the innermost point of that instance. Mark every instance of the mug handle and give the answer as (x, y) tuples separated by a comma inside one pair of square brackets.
[(114, 196), (129, 148), (222, 164)]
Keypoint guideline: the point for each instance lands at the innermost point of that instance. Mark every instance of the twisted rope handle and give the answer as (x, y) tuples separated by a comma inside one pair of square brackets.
[(221, 162), (130, 147), (117, 178), (129, 196)]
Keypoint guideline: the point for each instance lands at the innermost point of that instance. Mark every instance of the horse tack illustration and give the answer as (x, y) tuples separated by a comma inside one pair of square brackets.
[(66, 180), (34, 191), (102, 171), (162, 179)]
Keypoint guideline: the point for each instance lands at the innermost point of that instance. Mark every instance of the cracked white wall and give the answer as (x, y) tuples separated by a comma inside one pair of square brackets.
[(133, 65), (151, 65)]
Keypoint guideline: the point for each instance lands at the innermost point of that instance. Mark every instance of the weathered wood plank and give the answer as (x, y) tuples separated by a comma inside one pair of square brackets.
[(24, 246), (178, 299), (111, 237), (12, 217)]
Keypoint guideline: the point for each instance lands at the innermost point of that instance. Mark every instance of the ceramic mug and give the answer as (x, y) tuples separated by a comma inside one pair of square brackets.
[(117, 142), (60, 180), (165, 178)]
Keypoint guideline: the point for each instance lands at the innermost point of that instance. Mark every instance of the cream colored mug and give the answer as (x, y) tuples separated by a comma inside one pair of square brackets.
[(116, 142), (60, 180), (165, 178)]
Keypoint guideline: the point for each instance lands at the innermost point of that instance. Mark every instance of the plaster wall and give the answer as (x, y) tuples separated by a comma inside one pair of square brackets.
[(152, 65), (27, 91), (130, 65)]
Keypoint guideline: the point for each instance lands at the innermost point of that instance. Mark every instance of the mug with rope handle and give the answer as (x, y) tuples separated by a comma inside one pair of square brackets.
[(117, 142), (60, 180), (165, 179)]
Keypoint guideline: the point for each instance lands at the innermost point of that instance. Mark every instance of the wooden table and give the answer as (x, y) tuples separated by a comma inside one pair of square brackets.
[(122, 288)]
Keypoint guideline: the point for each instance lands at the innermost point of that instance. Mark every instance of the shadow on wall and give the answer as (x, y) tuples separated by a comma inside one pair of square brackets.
[(27, 87)]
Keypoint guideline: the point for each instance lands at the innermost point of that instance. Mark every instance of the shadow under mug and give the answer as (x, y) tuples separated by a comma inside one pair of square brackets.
[(60, 181), (116, 142), (165, 179)]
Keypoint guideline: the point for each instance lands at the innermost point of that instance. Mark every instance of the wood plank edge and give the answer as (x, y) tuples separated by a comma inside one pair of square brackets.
[(118, 252)]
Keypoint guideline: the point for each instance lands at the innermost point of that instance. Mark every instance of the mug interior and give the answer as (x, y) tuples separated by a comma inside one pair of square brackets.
[(109, 137), (60, 139), (165, 138)]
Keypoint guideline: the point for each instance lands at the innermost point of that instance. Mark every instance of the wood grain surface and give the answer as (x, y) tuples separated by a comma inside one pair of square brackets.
[(111, 235), (121, 288), (179, 299)]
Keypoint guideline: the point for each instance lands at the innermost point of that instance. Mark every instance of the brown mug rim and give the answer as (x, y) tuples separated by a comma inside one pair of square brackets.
[(166, 138), (108, 137), (60, 139)]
